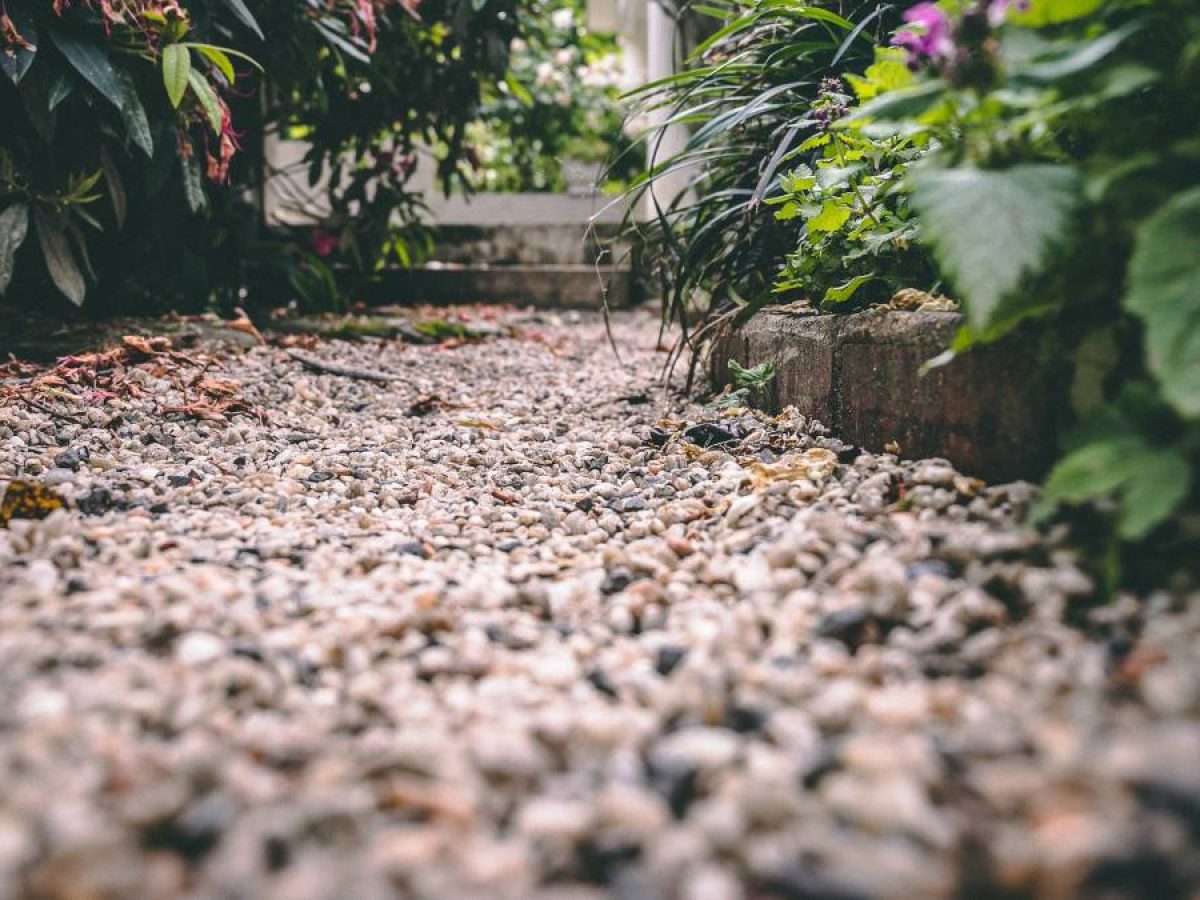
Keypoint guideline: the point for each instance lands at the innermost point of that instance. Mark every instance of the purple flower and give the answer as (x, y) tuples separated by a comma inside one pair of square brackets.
[(926, 38)]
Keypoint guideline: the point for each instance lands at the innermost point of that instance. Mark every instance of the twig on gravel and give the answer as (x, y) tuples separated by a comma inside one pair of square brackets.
[(329, 368), (51, 411)]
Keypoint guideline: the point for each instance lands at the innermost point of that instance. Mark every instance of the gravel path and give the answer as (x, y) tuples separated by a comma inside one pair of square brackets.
[(495, 630)]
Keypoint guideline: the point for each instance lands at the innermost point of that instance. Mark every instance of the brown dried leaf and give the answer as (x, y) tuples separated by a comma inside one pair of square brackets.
[(815, 464)]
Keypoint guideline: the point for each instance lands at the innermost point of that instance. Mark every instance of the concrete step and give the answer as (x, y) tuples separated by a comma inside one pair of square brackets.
[(570, 286)]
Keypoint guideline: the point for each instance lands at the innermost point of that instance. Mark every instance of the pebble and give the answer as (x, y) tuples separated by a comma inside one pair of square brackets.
[(199, 647)]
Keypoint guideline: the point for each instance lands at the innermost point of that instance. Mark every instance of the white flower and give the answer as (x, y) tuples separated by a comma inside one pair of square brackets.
[(544, 74), (562, 19)]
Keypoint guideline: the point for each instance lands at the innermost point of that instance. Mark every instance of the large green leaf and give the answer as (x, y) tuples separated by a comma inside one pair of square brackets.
[(60, 260), (91, 61), (1054, 12), (133, 114), (990, 229), (1150, 482), (14, 225), (1164, 292), (240, 10), (1161, 484), (176, 66)]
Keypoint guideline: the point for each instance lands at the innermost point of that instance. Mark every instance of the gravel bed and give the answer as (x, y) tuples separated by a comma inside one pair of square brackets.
[(498, 630)]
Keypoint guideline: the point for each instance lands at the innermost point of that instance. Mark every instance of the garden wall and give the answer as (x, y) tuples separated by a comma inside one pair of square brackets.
[(861, 376)]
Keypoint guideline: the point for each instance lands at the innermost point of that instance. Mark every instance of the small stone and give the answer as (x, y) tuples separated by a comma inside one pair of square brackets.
[(668, 658), (935, 474), (199, 647), (700, 747), (72, 458)]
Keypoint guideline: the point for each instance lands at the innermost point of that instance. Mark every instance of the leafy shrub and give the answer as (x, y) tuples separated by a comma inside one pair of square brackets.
[(91, 96), (132, 145), (746, 95), (1065, 193), (858, 240), (559, 101)]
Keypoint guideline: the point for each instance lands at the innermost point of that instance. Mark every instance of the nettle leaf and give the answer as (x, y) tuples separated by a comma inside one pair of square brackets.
[(14, 225), (1164, 292), (902, 104), (60, 260), (990, 229), (1150, 482), (176, 66), (831, 217)]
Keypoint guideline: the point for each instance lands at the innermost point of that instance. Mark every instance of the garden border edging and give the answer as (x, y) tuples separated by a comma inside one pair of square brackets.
[(986, 411)]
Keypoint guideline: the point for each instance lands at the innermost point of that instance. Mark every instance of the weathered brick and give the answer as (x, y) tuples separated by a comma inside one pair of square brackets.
[(987, 410)]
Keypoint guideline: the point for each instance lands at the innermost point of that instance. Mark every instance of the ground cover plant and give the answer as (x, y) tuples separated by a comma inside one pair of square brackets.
[(1036, 161), (131, 151), (751, 94), (1063, 193)]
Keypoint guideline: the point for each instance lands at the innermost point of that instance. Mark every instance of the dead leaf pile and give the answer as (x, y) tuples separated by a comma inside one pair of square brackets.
[(93, 379)]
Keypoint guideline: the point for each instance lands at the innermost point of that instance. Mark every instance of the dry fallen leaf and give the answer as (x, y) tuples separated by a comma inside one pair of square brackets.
[(147, 346), (28, 500), (815, 464), (968, 487), (478, 423), (243, 324)]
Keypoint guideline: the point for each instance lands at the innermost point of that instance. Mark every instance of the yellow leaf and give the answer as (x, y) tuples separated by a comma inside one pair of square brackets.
[(28, 500)]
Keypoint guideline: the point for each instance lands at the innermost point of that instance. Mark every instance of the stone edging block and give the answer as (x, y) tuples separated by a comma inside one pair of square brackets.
[(861, 376)]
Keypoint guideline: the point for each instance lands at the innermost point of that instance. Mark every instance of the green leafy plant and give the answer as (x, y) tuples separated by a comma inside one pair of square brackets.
[(858, 235), (748, 387), (89, 96), (558, 102), (1064, 196), (746, 97), (132, 144)]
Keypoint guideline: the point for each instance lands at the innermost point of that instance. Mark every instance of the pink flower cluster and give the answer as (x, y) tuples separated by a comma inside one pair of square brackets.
[(927, 37), (928, 34)]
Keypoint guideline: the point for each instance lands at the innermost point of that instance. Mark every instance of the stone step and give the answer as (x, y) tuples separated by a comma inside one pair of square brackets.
[(571, 286)]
